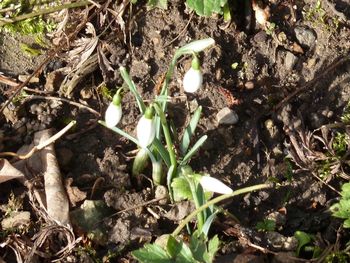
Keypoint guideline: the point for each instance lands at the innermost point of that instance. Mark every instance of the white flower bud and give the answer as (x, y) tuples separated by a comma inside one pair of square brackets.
[(145, 131), (114, 111), (113, 114), (193, 78), (212, 184)]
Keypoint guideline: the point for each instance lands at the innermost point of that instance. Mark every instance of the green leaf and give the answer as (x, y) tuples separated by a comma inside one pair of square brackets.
[(185, 255), (151, 253), (162, 151), (213, 247), (266, 225), (206, 7), (169, 180), (181, 189), (198, 247), (303, 239), (194, 149), (163, 4), (207, 224), (189, 131), (173, 247), (133, 89)]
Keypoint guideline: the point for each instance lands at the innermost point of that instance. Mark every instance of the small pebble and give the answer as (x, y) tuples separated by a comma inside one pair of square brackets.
[(227, 116), (162, 192), (290, 61), (249, 85)]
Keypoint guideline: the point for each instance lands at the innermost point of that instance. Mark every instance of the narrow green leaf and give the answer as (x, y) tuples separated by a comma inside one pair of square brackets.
[(169, 180), (151, 253), (190, 130), (194, 149), (132, 87), (162, 151), (207, 224), (173, 247)]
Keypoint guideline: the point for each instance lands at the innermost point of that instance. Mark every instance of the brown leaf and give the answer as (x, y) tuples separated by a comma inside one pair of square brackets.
[(74, 194)]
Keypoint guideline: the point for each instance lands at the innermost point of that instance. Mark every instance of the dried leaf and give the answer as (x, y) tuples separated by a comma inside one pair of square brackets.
[(74, 194), (85, 46), (8, 172)]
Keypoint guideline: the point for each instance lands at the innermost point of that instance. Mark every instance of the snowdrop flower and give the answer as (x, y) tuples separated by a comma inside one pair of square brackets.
[(193, 78), (114, 111), (212, 184), (146, 128)]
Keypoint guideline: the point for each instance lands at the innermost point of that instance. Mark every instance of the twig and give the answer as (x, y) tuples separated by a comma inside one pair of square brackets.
[(41, 145), (8, 81), (43, 12), (79, 105)]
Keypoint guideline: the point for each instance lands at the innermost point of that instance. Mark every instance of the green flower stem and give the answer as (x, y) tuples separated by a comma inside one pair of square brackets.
[(216, 200), (167, 136)]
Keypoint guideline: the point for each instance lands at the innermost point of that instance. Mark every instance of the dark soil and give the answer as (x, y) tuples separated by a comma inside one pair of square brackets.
[(289, 81)]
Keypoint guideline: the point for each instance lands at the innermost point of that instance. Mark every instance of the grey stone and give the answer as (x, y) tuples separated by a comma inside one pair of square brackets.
[(290, 61), (227, 116), (305, 36)]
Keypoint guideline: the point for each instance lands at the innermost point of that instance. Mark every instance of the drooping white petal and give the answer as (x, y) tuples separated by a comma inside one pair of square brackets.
[(113, 115), (193, 80), (212, 184), (198, 45), (145, 131)]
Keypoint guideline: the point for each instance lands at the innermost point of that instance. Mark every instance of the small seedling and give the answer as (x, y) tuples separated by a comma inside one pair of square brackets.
[(305, 244), (266, 225), (342, 208)]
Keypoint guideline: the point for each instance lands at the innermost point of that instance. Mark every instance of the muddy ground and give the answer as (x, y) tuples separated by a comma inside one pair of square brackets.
[(282, 82)]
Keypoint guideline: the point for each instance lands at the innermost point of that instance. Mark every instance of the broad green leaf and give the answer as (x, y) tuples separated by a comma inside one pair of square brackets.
[(173, 246), (185, 255), (151, 253), (132, 87), (163, 4), (206, 7), (181, 189), (189, 131), (198, 247), (213, 247), (303, 239), (194, 149)]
